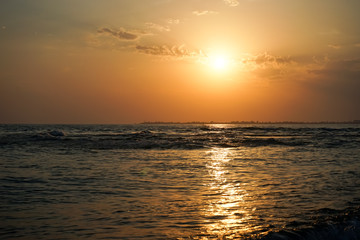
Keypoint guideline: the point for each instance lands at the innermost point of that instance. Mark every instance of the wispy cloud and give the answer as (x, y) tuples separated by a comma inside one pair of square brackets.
[(204, 12), (266, 66), (340, 68), (120, 34), (173, 21), (265, 60), (232, 3), (165, 50), (343, 46), (157, 27), (334, 46), (271, 67)]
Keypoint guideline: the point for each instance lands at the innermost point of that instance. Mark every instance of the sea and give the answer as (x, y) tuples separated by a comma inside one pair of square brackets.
[(180, 181)]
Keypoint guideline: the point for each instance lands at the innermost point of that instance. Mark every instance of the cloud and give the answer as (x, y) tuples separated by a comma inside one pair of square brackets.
[(173, 21), (205, 12), (119, 34), (157, 27), (339, 79), (334, 81), (342, 46), (341, 68), (232, 3), (165, 50), (266, 66), (265, 60), (334, 46), (272, 67)]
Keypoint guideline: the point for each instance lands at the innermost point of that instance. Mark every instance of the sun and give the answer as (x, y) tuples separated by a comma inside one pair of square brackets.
[(219, 63)]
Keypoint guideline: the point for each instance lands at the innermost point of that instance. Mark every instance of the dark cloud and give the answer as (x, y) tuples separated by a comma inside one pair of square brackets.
[(119, 34)]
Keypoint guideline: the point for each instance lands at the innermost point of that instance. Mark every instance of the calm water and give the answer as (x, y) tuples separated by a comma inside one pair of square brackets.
[(179, 181)]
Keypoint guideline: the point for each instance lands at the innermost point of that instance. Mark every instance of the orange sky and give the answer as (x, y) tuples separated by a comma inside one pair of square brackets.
[(131, 61)]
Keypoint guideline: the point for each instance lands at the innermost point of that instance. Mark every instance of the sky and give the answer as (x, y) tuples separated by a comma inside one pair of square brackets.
[(130, 61)]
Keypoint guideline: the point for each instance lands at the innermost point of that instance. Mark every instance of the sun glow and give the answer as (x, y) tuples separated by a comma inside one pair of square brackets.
[(218, 62)]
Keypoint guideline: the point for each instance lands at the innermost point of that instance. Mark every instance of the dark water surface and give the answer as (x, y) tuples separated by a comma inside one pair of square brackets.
[(180, 181)]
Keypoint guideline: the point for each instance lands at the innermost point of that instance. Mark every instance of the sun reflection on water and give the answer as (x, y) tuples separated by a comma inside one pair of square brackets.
[(226, 213)]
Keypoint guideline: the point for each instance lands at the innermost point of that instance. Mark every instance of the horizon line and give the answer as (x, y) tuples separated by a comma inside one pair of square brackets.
[(199, 122), (253, 122)]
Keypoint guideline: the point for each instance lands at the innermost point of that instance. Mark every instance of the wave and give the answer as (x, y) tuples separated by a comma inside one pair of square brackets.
[(144, 140), (180, 137), (330, 225), (347, 231)]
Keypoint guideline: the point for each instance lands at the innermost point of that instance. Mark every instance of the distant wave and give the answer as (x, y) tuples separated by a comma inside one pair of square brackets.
[(146, 140), (186, 137)]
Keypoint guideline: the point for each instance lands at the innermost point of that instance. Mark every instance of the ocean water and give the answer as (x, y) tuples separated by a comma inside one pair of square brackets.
[(208, 181)]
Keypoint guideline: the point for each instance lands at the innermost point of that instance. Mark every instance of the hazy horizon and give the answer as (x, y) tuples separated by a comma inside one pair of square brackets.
[(129, 61)]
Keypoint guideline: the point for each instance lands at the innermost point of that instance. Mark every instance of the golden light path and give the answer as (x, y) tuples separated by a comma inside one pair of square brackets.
[(226, 212)]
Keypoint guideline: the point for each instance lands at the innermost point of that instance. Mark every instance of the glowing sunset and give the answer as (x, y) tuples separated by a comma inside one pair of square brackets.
[(135, 61), (180, 119)]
